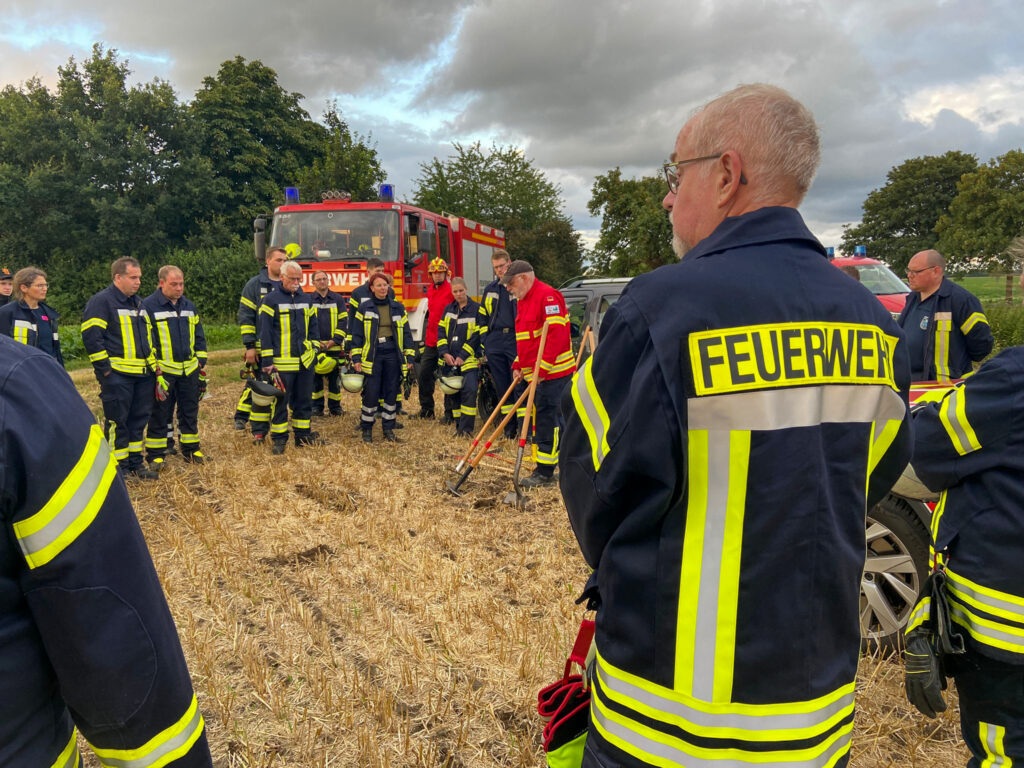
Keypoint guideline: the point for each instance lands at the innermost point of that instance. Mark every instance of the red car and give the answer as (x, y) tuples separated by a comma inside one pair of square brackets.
[(879, 279)]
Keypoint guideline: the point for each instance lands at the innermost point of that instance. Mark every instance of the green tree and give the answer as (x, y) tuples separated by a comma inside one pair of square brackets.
[(987, 215), (348, 161), (900, 218), (503, 188), (636, 233), (257, 136)]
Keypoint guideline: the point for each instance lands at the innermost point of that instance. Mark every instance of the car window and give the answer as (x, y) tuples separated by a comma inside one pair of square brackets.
[(603, 307)]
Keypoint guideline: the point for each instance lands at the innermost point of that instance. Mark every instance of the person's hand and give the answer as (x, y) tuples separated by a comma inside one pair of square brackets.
[(458, 361), (358, 367), (408, 366), (271, 370), (250, 356), (449, 359), (327, 344), (517, 376), (106, 373)]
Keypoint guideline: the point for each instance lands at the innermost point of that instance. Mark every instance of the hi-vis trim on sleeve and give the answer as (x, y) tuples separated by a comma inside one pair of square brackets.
[(972, 320), (247, 303), (790, 355), (72, 508), (69, 757), (96, 322), (953, 415), (95, 357), (992, 601), (165, 747), (922, 612), (592, 412)]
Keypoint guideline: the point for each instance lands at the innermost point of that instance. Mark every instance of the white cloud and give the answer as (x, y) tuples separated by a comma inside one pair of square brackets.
[(990, 101)]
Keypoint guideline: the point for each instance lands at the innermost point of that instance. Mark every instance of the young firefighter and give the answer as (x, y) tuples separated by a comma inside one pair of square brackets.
[(498, 331), (458, 344), (381, 350), (248, 308), (439, 296), (332, 318)]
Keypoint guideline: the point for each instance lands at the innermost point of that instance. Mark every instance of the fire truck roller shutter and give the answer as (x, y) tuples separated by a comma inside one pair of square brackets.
[(484, 271)]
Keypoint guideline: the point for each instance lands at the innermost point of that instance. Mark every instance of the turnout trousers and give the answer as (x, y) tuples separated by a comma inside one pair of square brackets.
[(991, 709), (463, 405), (547, 422), (183, 394), (425, 382), (500, 349), (127, 403), (298, 387), (380, 389), (332, 382), (244, 407)]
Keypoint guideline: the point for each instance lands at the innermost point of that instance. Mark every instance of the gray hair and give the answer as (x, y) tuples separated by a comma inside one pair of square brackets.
[(290, 266), (775, 135)]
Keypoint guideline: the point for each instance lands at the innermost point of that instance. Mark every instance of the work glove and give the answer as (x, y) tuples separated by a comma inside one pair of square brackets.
[(275, 376), (203, 379), (924, 678)]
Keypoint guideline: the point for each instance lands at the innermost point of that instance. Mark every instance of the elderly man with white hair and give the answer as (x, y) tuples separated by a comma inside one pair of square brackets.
[(289, 338), (743, 410)]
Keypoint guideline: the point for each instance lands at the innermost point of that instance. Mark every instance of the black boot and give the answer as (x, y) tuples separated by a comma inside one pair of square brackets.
[(390, 437), (448, 418), (368, 434), (425, 413)]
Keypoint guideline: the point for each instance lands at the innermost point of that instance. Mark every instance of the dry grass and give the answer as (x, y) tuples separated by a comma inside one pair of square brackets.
[(339, 608)]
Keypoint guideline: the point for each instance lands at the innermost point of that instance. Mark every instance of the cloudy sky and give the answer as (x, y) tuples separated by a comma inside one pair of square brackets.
[(584, 86)]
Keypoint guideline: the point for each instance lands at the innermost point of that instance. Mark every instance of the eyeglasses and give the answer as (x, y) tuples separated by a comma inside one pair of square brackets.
[(923, 269), (671, 169)]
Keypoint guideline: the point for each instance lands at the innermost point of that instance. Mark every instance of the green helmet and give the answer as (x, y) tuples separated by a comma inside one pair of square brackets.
[(325, 363)]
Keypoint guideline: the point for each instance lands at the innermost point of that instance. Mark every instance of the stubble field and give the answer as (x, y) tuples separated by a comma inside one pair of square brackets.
[(339, 608)]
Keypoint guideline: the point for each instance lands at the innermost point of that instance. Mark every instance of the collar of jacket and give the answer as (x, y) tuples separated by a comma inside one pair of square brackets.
[(436, 287), (765, 225), (331, 296), (116, 293), (945, 287), (158, 296)]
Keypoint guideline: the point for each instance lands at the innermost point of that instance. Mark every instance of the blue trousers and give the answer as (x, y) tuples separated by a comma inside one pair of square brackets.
[(383, 385)]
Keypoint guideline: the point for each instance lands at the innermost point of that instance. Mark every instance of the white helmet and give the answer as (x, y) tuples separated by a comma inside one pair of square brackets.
[(451, 385)]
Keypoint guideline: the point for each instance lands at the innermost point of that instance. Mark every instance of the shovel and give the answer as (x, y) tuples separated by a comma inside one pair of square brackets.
[(516, 496), (454, 488), (483, 429)]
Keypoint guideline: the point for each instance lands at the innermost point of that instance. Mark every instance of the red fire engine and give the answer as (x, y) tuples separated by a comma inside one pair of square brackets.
[(338, 236)]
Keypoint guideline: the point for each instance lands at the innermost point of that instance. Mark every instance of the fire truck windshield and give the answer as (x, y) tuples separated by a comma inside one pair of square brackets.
[(334, 235)]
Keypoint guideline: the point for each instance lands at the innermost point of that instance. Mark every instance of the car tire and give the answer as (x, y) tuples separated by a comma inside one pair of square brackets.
[(894, 572)]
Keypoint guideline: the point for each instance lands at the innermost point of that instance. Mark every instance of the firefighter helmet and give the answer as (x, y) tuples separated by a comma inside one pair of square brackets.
[(438, 265), (451, 385), (325, 363), (293, 250), (264, 393), (352, 381)]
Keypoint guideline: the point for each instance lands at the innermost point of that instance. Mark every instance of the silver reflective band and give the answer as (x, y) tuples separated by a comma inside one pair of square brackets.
[(725, 758), (190, 731), (33, 543), (129, 312), (25, 324), (980, 632), (959, 584), (761, 727), (290, 307), (950, 408), (772, 409)]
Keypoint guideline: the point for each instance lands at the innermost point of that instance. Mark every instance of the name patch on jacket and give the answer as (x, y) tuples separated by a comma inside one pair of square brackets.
[(552, 309), (789, 355)]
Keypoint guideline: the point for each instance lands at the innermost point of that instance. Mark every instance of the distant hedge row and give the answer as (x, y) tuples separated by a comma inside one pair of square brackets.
[(1007, 321)]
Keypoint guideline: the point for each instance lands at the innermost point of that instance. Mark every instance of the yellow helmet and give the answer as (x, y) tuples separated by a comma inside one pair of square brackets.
[(438, 265), (293, 250), (325, 363)]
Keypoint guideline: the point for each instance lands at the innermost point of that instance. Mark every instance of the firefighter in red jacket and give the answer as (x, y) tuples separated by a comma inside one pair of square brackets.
[(539, 303), (439, 296)]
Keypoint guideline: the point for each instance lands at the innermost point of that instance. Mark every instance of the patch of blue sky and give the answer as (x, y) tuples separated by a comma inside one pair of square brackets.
[(148, 58), (29, 33)]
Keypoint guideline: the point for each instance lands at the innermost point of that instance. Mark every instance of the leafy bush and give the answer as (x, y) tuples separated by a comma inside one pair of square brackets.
[(1007, 321)]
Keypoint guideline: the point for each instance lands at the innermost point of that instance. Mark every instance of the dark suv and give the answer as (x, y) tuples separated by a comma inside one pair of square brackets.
[(588, 299)]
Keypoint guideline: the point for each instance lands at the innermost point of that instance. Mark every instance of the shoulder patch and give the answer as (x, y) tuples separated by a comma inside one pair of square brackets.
[(552, 309)]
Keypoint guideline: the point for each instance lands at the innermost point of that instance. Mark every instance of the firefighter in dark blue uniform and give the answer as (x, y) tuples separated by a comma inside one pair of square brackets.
[(332, 317), (248, 323), (116, 334), (945, 327), (970, 446), (458, 344), (89, 644), (382, 349), (27, 318), (498, 313), (6, 285), (289, 340), (180, 347), (718, 460)]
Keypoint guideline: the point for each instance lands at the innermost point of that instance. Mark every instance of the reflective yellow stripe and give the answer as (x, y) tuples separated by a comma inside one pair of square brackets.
[(72, 507), (942, 328), (593, 415), (166, 348), (972, 320), (953, 415), (1002, 604), (96, 322), (247, 303), (985, 631), (247, 329), (991, 737), (789, 721), (128, 337), (693, 545), (922, 612), (522, 336), (557, 319), (167, 746), (69, 757), (655, 747), (97, 356)]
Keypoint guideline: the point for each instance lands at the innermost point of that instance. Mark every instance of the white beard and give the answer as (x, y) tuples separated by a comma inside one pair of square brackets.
[(679, 247)]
